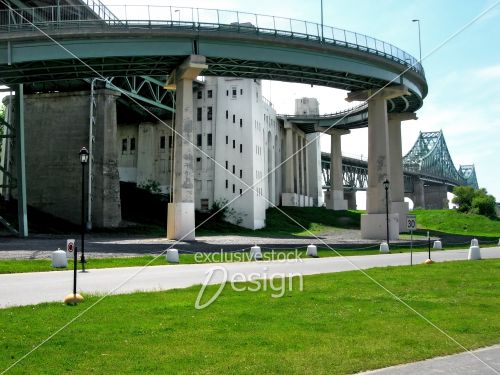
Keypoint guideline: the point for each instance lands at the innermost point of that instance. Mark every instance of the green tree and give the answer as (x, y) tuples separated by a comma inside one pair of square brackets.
[(476, 201), (463, 197)]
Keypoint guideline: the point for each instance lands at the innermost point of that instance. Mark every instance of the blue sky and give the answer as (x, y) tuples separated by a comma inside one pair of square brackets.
[(463, 73)]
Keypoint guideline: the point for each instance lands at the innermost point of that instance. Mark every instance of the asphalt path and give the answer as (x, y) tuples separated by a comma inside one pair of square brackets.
[(33, 288)]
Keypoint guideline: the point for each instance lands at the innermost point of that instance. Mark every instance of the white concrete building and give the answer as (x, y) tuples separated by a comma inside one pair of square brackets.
[(241, 145)]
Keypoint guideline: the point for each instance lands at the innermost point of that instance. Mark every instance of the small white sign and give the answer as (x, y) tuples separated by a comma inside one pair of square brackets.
[(70, 247), (411, 222)]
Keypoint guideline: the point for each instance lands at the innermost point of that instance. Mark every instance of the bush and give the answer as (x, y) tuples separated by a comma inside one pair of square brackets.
[(478, 201)]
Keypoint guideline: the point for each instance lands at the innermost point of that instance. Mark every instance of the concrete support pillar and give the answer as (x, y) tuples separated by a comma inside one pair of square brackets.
[(301, 153), (306, 175), (374, 222), (436, 197), (337, 201), (289, 170), (181, 222), (418, 194), (146, 143), (314, 169), (350, 196), (396, 177), (297, 163), (22, 211)]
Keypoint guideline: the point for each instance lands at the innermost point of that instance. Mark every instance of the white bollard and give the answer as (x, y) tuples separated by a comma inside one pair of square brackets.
[(438, 245), (384, 248), (255, 253), (474, 253), (312, 251), (172, 256), (499, 242), (474, 242), (59, 259)]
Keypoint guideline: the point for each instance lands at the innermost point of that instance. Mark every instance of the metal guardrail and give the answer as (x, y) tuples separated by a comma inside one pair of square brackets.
[(342, 112), (199, 19)]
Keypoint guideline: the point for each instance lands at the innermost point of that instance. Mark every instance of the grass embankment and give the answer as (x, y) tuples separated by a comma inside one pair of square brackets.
[(453, 222), (339, 324)]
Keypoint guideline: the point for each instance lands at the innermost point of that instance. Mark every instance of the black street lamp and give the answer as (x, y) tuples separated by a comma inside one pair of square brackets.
[(84, 159), (419, 41), (386, 187)]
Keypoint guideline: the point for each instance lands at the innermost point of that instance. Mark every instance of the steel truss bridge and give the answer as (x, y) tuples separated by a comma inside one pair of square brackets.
[(428, 160)]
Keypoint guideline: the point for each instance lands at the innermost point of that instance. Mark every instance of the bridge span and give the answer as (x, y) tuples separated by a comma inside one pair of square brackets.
[(49, 48), (428, 169)]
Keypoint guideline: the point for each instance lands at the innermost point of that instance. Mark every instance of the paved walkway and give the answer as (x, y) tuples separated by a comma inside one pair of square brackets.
[(483, 361), (32, 288)]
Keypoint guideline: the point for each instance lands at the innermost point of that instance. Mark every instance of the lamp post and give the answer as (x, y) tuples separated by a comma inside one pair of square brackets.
[(178, 11), (322, 36), (386, 187), (84, 158), (419, 41)]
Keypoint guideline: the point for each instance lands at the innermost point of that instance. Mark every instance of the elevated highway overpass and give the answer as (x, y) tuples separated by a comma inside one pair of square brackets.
[(46, 48)]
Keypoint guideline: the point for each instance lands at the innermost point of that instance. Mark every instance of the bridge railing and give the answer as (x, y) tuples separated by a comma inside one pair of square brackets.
[(342, 112), (154, 17)]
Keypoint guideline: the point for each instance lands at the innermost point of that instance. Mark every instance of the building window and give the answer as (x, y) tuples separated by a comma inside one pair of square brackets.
[(234, 91), (241, 191), (234, 188), (162, 142), (209, 94), (227, 140), (209, 139), (124, 145), (241, 91), (227, 184), (241, 122), (234, 119), (204, 204), (241, 173), (199, 94), (234, 169), (227, 164), (227, 115), (198, 114), (241, 147), (132, 144), (209, 113), (234, 143), (198, 139)]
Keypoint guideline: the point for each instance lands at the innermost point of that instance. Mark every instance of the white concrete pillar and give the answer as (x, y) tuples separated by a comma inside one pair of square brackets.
[(301, 152), (146, 143), (337, 201), (374, 222), (288, 197), (297, 163), (306, 175), (181, 212), (314, 168), (396, 177)]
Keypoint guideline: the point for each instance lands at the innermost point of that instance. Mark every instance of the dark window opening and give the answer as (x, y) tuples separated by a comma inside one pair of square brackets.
[(198, 139), (132, 144), (209, 139), (198, 114), (162, 142), (124, 144), (209, 113)]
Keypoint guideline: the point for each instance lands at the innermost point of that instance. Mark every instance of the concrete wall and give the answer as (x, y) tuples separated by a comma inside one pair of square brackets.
[(436, 197), (306, 106), (56, 127)]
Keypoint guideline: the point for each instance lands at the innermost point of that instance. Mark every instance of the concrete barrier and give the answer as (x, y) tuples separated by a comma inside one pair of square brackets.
[(312, 251), (172, 256), (59, 259), (255, 253), (438, 245), (384, 248), (474, 253)]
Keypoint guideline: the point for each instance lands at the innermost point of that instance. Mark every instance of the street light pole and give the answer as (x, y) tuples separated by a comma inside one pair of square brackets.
[(322, 36), (419, 41), (84, 158), (386, 187)]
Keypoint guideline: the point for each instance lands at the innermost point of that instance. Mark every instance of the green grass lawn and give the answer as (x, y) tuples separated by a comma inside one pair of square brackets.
[(451, 221), (339, 324)]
